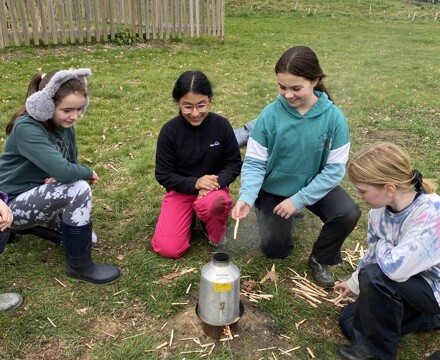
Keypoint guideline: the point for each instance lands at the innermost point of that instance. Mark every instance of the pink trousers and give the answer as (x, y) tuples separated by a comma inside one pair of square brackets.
[(173, 229)]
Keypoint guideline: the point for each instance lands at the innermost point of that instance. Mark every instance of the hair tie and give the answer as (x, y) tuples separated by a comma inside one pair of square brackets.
[(417, 180)]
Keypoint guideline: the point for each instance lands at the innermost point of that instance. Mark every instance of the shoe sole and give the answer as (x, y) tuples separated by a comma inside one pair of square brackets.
[(81, 280)]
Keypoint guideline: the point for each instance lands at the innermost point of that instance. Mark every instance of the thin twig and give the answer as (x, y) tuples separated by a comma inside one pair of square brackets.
[(51, 322), (59, 282)]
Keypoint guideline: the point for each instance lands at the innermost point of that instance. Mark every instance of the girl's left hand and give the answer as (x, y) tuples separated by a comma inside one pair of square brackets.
[(49, 180), (94, 179), (285, 209)]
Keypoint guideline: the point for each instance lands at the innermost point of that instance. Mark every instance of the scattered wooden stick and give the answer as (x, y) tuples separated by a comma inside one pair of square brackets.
[(186, 339), (298, 324), (210, 351), (283, 352), (162, 345), (311, 353), (53, 324), (254, 297), (171, 337), (119, 292), (306, 295), (133, 336), (237, 222), (193, 325), (293, 349), (266, 349), (111, 335), (59, 282)]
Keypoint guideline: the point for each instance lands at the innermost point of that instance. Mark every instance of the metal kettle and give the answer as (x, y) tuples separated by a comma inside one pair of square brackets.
[(219, 296)]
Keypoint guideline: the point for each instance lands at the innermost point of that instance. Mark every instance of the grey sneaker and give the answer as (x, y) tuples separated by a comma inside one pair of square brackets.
[(9, 301), (221, 243)]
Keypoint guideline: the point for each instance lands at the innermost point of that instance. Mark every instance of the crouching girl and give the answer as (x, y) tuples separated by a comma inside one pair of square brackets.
[(398, 280), (39, 170)]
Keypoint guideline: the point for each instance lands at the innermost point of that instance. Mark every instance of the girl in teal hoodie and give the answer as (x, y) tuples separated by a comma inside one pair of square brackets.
[(296, 158)]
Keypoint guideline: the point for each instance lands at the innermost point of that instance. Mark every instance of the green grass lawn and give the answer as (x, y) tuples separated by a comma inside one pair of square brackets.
[(382, 66)]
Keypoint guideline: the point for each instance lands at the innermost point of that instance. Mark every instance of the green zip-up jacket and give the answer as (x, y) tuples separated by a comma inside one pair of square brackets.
[(33, 154)]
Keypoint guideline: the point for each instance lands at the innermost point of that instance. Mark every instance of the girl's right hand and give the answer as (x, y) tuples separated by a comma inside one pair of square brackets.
[(342, 289), (241, 210), (94, 179)]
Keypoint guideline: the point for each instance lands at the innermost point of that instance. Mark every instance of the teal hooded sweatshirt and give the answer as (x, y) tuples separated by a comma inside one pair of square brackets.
[(33, 154), (301, 157)]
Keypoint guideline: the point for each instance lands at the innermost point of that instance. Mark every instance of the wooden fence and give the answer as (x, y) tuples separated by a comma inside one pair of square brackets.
[(35, 22)]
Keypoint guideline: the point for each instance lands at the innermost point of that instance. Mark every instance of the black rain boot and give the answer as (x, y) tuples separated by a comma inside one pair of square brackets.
[(77, 242), (38, 231)]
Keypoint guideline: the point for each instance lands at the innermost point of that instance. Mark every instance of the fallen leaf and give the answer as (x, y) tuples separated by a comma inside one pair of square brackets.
[(271, 275)]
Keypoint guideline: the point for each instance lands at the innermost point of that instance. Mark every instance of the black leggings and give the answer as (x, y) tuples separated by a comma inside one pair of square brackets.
[(385, 310), (337, 211)]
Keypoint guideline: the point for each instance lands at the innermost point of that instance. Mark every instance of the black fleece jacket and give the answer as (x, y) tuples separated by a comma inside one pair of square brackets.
[(185, 153)]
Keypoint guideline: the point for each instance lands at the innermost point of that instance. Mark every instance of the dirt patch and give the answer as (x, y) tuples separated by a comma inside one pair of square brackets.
[(254, 333)]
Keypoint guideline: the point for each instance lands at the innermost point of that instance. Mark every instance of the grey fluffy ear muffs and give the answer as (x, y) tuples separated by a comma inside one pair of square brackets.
[(41, 106)]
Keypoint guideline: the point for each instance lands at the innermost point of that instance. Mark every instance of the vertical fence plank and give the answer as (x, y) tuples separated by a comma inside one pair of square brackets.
[(160, 19), (118, 13), (166, 20), (96, 17), (88, 15), (202, 21), (132, 17), (24, 22), (14, 21), (191, 15), (43, 22), (70, 21), (52, 27), (197, 18), (104, 20), (222, 21), (209, 17), (34, 24), (4, 41), (79, 27), (184, 18), (153, 18), (147, 18), (111, 15), (139, 17), (60, 7)]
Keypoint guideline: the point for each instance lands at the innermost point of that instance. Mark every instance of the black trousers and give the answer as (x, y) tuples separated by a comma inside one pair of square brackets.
[(337, 211), (384, 310)]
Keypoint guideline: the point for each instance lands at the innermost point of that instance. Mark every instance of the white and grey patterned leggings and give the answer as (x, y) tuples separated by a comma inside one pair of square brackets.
[(49, 204)]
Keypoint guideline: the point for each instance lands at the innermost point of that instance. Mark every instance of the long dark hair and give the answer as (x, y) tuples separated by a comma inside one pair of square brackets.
[(192, 81), (38, 82), (302, 61)]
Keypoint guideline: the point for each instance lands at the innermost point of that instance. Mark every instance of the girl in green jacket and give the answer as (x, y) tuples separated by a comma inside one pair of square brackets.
[(39, 170)]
